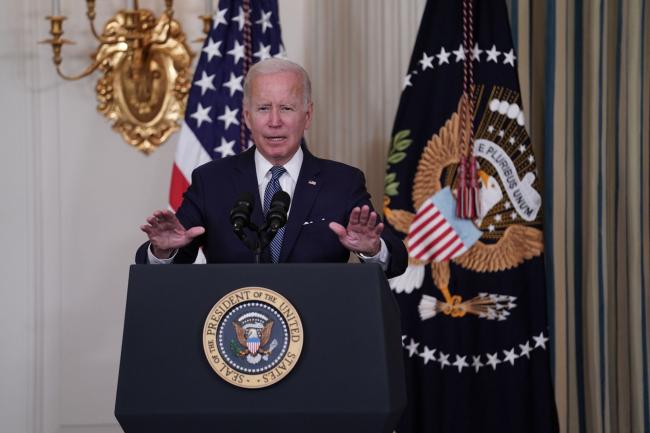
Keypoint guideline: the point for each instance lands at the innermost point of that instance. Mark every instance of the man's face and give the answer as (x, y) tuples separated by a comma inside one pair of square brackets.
[(277, 116)]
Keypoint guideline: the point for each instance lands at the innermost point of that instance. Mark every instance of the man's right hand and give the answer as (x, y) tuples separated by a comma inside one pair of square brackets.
[(166, 233)]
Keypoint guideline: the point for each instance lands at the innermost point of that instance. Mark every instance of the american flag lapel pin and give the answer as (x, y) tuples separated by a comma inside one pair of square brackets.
[(312, 182)]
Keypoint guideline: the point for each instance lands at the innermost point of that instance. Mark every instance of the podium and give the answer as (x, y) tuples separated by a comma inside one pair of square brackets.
[(349, 377)]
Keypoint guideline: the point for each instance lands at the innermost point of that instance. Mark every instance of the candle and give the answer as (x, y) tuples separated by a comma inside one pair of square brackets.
[(56, 8)]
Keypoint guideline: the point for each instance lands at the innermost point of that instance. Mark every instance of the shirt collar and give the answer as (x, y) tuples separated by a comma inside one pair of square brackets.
[(262, 166)]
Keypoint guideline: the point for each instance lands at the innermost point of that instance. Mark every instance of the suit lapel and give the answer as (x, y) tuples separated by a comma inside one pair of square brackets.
[(307, 189), (245, 180)]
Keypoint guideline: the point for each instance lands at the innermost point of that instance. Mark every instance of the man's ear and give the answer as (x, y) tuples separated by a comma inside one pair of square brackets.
[(309, 114)]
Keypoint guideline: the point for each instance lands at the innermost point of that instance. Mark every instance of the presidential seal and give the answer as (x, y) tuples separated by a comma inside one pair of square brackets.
[(252, 337)]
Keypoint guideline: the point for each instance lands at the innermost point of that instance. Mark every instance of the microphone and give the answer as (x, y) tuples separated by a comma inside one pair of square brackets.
[(277, 215), (240, 214)]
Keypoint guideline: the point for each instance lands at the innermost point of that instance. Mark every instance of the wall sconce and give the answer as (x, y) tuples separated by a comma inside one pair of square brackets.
[(145, 63)]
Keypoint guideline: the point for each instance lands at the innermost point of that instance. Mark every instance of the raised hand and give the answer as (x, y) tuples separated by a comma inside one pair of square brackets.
[(166, 233), (362, 233)]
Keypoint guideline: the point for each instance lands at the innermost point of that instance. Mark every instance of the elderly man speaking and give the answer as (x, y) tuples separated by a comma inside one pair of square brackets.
[(330, 214)]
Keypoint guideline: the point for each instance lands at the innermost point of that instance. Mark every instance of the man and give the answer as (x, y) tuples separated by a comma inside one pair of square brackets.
[(330, 214)]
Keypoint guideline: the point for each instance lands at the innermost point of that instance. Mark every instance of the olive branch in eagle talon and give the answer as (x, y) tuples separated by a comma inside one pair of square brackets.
[(396, 154), (517, 244)]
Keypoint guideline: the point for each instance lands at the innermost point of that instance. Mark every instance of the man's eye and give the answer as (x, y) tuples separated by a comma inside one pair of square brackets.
[(286, 108), (262, 108)]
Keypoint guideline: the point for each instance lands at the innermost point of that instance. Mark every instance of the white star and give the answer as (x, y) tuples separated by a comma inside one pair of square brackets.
[(531, 159), (525, 349), (234, 83), (427, 355), (229, 117), (540, 341), (225, 148), (264, 52), (490, 129), (237, 52), (212, 49), (507, 205), (407, 81), (443, 56), (510, 356), (443, 360), (426, 61), (201, 115), (497, 218), (501, 133), (459, 53), (412, 348), (511, 140), (265, 21), (476, 363), (241, 18), (509, 58), (460, 363), (476, 52), (522, 148), (205, 82), (513, 216), (493, 360), (403, 338), (492, 54), (219, 18), (491, 228)]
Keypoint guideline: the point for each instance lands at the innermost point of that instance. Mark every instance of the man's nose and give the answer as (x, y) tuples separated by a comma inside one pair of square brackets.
[(275, 120)]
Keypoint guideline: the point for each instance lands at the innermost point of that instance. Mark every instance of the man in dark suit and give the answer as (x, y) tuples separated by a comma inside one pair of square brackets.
[(330, 214)]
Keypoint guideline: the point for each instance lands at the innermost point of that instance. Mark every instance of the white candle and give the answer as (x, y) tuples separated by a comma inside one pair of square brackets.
[(56, 7), (208, 7)]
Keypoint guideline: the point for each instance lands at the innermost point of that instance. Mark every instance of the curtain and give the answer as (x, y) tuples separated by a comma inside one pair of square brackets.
[(585, 75)]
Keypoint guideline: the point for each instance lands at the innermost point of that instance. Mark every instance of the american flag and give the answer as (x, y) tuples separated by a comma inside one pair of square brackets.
[(243, 32)]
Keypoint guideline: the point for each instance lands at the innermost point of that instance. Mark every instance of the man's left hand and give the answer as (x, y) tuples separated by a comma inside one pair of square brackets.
[(362, 233)]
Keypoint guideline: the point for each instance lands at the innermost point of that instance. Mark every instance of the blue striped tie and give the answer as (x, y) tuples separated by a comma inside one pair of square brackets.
[(271, 189)]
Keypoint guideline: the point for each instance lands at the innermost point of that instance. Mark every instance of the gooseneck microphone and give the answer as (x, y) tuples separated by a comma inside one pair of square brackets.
[(276, 218), (240, 214)]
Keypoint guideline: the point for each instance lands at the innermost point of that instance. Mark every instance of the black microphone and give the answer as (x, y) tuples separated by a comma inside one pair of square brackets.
[(278, 209), (240, 214)]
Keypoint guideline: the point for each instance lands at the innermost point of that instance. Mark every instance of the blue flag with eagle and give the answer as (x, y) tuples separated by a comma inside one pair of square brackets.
[(473, 298)]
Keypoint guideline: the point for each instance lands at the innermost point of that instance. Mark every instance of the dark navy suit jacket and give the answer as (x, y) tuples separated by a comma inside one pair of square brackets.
[(325, 191)]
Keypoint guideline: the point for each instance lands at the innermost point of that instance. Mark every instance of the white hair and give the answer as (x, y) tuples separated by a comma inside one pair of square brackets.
[(276, 65)]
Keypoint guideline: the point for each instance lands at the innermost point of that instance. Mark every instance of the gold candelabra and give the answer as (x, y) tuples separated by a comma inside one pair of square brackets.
[(145, 63)]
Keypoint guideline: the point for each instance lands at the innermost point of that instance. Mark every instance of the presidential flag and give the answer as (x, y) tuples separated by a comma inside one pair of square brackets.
[(243, 32), (473, 299)]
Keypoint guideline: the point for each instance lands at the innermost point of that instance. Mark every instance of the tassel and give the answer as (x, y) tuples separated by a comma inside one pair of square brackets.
[(460, 189)]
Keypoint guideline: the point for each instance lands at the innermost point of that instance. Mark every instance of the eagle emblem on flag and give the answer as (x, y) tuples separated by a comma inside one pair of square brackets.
[(502, 237)]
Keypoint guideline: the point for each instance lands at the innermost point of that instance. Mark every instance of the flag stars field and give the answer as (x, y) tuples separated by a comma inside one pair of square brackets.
[(509, 359), (426, 62)]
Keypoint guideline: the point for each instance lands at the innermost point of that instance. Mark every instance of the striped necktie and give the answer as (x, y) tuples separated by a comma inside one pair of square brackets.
[(273, 187)]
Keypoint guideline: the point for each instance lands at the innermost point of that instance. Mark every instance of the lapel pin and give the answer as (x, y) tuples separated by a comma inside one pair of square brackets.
[(312, 182)]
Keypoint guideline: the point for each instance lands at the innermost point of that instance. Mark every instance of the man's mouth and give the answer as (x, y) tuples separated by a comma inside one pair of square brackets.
[(276, 139)]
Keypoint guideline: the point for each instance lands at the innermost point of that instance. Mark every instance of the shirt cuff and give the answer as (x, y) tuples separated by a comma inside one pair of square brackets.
[(153, 260), (382, 257)]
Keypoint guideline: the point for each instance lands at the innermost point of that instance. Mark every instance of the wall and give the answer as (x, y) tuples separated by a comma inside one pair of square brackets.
[(74, 193)]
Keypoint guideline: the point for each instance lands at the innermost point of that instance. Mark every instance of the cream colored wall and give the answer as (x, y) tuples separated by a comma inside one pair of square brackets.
[(74, 193)]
